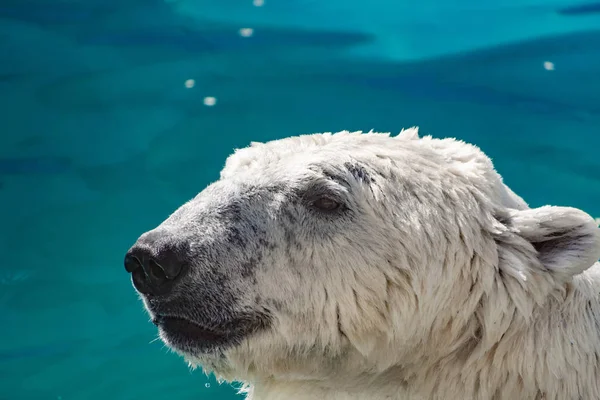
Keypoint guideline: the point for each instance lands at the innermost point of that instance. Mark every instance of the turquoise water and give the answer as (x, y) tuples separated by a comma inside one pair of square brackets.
[(114, 112)]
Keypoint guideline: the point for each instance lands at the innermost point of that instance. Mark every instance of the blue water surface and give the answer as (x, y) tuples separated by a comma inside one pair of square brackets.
[(114, 112)]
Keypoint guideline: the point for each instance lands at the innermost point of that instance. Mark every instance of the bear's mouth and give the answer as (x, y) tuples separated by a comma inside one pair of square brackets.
[(182, 333), (192, 337)]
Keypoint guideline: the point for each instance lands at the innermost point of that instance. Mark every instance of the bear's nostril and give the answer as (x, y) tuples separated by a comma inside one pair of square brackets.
[(132, 263), (156, 272)]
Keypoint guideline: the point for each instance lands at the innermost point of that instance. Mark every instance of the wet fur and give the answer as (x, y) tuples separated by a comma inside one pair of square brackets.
[(435, 281)]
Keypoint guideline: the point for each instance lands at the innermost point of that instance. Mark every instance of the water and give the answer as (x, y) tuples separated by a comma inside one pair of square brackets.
[(115, 112)]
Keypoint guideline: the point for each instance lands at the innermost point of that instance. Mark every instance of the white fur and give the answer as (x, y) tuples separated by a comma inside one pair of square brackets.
[(445, 286)]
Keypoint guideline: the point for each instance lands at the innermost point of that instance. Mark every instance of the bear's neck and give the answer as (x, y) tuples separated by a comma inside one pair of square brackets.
[(554, 355)]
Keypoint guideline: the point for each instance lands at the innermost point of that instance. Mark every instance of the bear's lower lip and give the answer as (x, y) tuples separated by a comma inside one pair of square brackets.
[(181, 331)]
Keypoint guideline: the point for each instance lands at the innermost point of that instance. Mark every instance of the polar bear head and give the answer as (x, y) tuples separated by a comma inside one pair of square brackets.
[(340, 257)]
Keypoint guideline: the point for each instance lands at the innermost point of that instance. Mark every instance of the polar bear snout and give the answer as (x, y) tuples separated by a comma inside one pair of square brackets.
[(196, 271), (156, 265)]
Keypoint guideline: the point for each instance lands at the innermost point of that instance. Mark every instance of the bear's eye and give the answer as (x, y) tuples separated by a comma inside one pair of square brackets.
[(326, 204)]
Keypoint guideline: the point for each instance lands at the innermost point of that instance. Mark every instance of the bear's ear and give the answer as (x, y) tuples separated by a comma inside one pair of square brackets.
[(567, 240)]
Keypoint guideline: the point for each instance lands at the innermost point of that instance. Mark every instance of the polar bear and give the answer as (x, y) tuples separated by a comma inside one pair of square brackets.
[(358, 265)]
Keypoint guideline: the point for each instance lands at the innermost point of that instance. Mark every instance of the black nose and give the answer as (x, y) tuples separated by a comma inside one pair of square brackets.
[(154, 271)]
